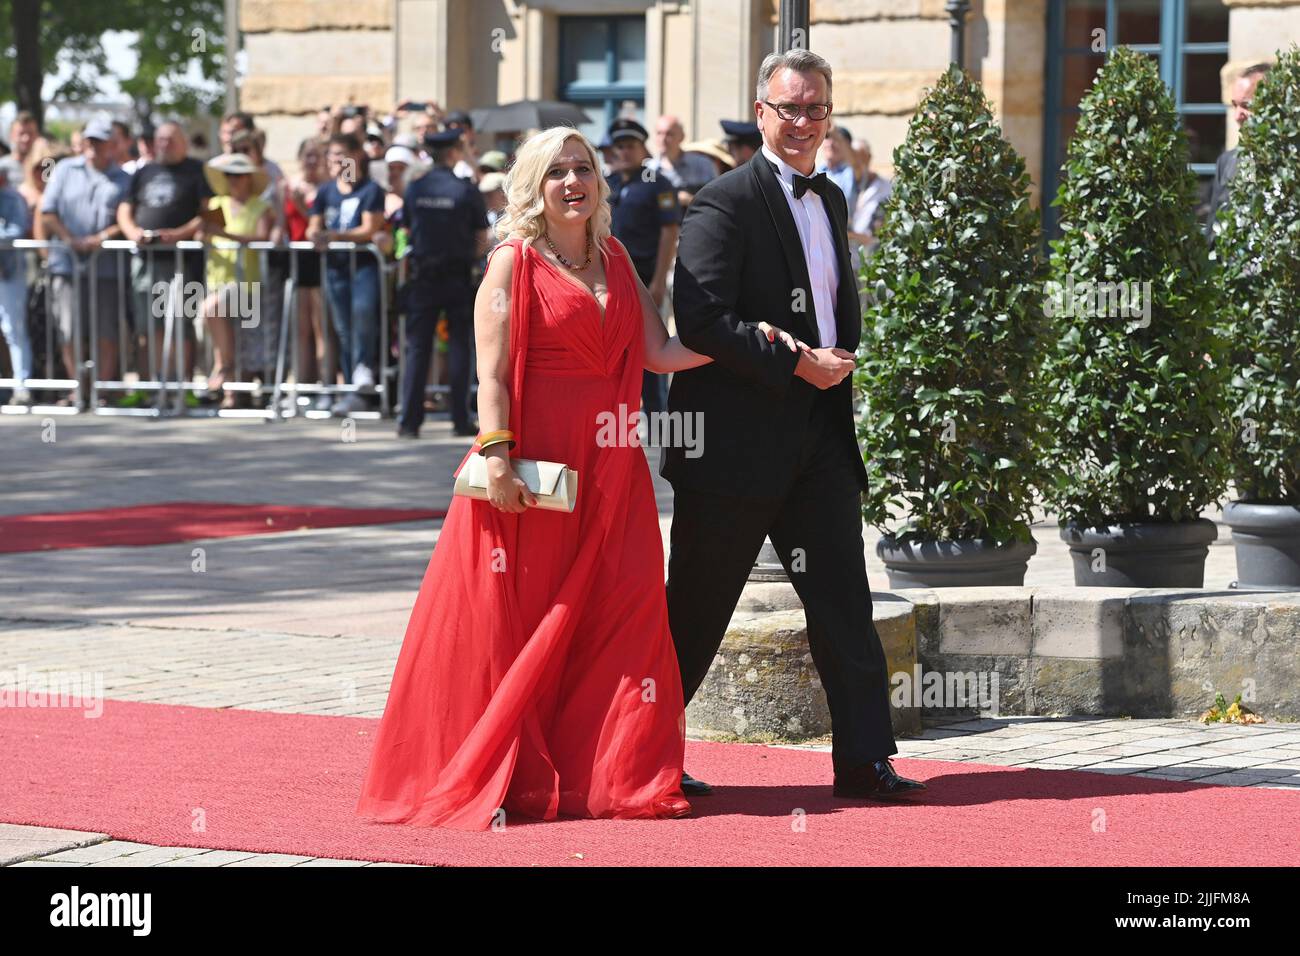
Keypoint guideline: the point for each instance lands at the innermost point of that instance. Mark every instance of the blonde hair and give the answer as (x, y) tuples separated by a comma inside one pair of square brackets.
[(44, 154), (524, 216)]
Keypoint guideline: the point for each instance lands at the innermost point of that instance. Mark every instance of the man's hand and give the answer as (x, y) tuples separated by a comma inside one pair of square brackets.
[(824, 368), (85, 244), (658, 291)]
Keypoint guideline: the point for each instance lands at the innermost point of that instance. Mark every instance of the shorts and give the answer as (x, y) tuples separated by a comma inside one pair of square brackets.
[(109, 307), (147, 273), (308, 269)]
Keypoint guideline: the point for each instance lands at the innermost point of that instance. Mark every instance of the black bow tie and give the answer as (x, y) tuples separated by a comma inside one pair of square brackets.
[(816, 183)]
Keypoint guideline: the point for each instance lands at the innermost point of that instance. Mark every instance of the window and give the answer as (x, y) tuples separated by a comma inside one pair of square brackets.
[(602, 69), (1187, 38)]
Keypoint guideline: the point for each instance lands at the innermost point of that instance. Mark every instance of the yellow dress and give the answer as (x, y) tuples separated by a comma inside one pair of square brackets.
[(243, 221)]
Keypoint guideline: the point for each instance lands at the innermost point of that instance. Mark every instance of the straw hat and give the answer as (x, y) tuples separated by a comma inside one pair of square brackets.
[(234, 164), (712, 149), (493, 159)]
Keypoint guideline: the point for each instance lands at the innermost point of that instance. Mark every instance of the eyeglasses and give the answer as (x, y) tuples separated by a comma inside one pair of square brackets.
[(790, 111)]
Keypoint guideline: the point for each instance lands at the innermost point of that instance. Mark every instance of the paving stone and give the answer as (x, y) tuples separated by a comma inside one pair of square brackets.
[(96, 852), (325, 862), (272, 859), (153, 856), (20, 842), (210, 858)]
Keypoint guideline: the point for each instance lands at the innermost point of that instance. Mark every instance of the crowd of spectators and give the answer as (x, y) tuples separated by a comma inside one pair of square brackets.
[(157, 186)]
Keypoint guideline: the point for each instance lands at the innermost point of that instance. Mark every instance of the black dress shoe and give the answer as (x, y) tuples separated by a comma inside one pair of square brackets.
[(407, 433), (876, 781), (694, 788), (465, 431)]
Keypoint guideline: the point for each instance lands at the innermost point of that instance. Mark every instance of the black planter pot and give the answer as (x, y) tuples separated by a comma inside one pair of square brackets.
[(1267, 541), (1154, 554), (954, 564)]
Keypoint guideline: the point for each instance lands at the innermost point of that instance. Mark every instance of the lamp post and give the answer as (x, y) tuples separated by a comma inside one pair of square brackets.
[(957, 10), (792, 26)]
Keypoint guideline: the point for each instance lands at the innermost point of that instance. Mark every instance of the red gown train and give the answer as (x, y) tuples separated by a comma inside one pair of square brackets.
[(537, 676)]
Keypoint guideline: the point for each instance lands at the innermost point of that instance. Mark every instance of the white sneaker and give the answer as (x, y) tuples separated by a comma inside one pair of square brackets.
[(349, 403), (362, 375), (324, 402), (21, 396)]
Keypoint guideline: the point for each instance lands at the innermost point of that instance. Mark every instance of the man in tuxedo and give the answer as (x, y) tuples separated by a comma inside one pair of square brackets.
[(768, 241)]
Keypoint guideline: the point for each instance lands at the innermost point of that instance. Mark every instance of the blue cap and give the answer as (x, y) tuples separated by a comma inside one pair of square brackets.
[(442, 139), (627, 127), (741, 132)]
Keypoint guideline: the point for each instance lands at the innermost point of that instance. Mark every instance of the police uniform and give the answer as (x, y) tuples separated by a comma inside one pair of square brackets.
[(445, 215), (740, 134), (641, 206)]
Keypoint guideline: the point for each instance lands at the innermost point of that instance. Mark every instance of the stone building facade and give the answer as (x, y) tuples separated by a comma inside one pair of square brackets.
[(697, 58)]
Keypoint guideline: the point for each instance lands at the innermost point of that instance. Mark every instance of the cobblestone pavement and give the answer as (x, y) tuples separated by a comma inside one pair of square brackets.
[(311, 622)]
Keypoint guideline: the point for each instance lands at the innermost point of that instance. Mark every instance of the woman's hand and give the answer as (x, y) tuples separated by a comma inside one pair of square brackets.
[(506, 490), (772, 333)]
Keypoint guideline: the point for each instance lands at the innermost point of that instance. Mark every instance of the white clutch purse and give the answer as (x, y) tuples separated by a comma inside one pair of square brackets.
[(554, 484)]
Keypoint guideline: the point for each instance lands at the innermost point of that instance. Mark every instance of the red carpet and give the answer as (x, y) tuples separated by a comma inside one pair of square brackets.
[(245, 780), (180, 521)]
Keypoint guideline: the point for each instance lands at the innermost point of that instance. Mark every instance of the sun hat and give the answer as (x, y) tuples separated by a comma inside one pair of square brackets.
[(712, 149), (234, 164)]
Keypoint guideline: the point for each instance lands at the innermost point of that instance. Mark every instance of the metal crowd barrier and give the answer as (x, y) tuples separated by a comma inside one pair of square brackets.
[(30, 250), (164, 375)]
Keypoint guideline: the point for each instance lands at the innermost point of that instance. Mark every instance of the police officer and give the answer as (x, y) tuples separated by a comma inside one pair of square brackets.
[(448, 223), (742, 139), (646, 218)]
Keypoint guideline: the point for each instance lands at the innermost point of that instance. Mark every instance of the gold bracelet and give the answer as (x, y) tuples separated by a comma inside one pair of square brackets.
[(497, 437)]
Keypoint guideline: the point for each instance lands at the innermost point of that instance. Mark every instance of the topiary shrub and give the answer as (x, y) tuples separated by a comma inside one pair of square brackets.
[(1138, 410), (1258, 241), (948, 366)]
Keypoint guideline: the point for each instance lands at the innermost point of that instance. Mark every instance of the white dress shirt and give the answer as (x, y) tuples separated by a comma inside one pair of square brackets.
[(815, 236)]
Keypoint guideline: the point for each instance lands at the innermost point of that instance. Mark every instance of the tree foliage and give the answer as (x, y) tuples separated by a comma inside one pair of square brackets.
[(170, 35), (1138, 411), (948, 371), (1258, 239)]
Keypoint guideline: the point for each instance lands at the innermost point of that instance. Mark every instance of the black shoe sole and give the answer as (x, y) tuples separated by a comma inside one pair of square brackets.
[(902, 795)]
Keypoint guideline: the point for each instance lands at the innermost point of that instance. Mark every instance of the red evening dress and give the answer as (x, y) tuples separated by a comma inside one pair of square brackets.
[(538, 676)]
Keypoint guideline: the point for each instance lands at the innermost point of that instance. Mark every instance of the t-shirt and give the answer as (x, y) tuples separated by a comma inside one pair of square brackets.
[(341, 212), (165, 196)]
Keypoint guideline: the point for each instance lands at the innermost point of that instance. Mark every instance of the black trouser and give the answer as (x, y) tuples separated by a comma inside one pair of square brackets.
[(428, 293), (654, 385), (817, 531)]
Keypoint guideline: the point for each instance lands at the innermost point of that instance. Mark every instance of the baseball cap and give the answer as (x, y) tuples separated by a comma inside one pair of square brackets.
[(98, 128)]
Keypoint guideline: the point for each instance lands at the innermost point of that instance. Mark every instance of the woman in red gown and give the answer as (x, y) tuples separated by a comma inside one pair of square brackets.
[(538, 676)]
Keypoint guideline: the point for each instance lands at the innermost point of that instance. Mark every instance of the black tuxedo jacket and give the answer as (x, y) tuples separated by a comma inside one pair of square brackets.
[(1224, 170), (740, 262)]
